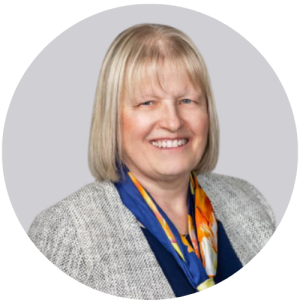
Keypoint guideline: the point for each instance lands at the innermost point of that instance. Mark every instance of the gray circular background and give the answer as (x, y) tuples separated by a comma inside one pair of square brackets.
[(45, 140)]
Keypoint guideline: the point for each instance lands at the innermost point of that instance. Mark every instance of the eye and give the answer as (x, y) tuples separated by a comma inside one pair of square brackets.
[(147, 103), (186, 101)]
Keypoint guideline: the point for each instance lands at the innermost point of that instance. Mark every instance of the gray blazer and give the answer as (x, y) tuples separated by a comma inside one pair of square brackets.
[(95, 239)]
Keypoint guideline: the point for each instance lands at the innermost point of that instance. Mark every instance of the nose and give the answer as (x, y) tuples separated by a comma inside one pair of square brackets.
[(170, 118)]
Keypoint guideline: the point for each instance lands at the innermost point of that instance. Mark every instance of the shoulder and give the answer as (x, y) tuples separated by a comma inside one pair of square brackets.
[(66, 232), (68, 212), (230, 192), (245, 214), (89, 194), (62, 224)]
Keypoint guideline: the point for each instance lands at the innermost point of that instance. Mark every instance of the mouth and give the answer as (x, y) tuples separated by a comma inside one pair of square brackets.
[(174, 143)]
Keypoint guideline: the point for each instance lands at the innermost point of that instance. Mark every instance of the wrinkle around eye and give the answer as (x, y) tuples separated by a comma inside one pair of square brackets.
[(147, 103)]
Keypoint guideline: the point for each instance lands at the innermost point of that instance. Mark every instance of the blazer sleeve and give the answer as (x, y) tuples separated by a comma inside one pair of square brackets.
[(265, 205), (252, 221), (55, 236)]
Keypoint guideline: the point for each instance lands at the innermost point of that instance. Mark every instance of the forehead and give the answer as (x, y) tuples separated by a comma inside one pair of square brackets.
[(171, 87), (157, 79)]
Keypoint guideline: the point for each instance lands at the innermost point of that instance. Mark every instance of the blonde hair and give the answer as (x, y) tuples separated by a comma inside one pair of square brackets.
[(141, 48)]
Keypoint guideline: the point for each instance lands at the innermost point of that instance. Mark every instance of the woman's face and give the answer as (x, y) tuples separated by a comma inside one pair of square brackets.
[(164, 127)]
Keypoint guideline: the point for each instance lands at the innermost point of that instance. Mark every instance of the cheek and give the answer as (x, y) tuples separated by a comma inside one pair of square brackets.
[(136, 124), (205, 131), (134, 128), (125, 127), (201, 125), (205, 125), (127, 132)]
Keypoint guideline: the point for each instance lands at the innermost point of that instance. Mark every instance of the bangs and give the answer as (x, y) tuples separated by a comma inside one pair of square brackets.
[(149, 64)]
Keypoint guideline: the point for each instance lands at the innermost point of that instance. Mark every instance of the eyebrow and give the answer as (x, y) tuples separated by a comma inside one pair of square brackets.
[(155, 96)]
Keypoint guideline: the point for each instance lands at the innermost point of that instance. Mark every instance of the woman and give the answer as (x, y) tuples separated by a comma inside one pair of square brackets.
[(156, 223)]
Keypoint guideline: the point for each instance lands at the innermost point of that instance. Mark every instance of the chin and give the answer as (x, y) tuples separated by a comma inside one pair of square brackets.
[(181, 171)]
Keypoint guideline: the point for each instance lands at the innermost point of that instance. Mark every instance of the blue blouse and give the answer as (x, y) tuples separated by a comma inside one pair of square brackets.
[(228, 262)]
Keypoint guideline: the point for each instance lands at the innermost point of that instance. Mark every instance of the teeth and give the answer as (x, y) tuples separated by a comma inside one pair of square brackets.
[(169, 143)]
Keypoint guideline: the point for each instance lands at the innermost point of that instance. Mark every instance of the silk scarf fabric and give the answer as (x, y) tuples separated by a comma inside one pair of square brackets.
[(199, 260)]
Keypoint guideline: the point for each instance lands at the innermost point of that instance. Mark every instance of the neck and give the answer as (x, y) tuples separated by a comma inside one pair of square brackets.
[(171, 196)]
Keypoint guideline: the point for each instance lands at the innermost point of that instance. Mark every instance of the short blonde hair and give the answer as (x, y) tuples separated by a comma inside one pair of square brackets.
[(141, 48)]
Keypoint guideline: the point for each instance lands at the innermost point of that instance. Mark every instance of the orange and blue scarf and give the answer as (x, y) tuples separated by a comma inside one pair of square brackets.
[(197, 260)]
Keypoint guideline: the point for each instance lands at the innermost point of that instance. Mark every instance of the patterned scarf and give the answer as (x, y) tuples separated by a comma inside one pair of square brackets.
[(199, 260)]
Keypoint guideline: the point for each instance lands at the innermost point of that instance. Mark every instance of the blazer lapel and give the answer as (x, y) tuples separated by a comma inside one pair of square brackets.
[(127, 258)]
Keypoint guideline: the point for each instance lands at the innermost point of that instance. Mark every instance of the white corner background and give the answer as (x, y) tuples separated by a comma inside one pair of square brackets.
[(46, 130)]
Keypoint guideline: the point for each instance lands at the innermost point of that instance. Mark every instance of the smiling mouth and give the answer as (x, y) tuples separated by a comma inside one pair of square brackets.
[(169, 143)]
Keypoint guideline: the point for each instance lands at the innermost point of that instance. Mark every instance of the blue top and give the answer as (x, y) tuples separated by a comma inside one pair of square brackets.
[(228, 262)]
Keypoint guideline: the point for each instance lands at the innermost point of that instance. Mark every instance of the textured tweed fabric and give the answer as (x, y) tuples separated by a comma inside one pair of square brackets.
[(95, 239)]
